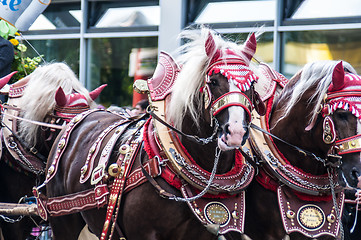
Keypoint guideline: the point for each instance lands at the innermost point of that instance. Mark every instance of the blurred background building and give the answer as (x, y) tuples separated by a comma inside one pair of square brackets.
[(117, 41)]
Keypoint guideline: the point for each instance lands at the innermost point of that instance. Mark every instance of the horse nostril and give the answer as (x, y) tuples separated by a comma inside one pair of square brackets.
[(226, 129), (354, 173)]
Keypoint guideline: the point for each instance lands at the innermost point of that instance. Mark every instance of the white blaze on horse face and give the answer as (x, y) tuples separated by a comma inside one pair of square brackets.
[(233, 136)]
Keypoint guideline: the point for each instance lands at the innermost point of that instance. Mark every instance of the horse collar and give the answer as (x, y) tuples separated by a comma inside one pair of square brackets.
[(281, 170), (169, 147)]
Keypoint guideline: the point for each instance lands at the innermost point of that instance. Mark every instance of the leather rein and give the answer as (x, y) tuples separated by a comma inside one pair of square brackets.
[(335, 163), (31, 149)]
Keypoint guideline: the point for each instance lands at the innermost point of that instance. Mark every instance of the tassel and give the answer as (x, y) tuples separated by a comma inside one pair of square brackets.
[(213, 228)]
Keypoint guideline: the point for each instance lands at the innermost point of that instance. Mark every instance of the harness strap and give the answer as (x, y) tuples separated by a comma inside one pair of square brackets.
[(117, 190), (49, 125), (161, 191), (70, 203), (349, 145), (137, 176), (91, 198)]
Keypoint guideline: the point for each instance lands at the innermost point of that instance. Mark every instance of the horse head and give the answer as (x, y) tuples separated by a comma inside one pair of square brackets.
[(343, 107), (228, 91), (225, 88), (69, 105), (320, 107)]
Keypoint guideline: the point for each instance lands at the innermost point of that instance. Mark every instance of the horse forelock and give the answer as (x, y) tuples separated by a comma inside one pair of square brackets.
[(38, 99), (194, 63), (316, 75)]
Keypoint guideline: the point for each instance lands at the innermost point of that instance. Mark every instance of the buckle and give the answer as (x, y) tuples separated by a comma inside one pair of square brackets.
[(97, 174)]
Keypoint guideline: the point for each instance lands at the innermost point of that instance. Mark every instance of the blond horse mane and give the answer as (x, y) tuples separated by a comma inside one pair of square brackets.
[(38, 99), (193, 61), (317, 74)]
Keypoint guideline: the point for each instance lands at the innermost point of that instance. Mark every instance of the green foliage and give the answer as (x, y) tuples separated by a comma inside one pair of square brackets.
[(24, 65)]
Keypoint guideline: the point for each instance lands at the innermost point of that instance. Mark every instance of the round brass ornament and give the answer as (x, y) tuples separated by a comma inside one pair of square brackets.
[(331, 218), (113, 170), (141, 86), (290, 214), (124, 149), (217, 213), (311, 217)]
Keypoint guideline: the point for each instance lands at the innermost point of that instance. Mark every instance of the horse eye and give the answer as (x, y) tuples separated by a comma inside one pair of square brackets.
[(343, 115), (213, 82)]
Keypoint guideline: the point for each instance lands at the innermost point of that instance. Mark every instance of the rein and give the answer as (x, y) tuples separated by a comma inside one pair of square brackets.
[(49, 125), (337, 163), (196, 139)]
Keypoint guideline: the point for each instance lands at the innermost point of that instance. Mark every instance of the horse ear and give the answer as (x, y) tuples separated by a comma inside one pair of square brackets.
[(250, 46), (210, 46), (338, 78), (6, 79), (95, 93), (60, 97)]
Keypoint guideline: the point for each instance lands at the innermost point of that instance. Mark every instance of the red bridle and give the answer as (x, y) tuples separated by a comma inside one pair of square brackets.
[(343, 99)]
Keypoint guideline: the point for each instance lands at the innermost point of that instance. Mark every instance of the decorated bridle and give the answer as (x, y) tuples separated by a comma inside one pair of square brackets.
[(235, 68), (68, 106), (342, 94)]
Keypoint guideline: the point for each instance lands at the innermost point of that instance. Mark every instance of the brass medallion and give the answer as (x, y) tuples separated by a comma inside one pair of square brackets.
[(311, 217), (217, 213)]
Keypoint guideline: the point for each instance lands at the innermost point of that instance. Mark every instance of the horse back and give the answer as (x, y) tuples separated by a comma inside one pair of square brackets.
[(76, 153)]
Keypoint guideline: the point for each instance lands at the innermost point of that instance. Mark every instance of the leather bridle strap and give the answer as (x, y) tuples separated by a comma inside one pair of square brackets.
[(311, 154), (349, 145), (191, 137), (232, 99)]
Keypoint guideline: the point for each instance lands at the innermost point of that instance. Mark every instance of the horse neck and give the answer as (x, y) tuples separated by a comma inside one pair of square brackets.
[(292, 130), (204, 155)]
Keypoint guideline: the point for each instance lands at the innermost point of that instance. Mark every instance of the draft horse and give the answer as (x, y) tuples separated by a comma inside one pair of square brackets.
[(313, 122), (37, 107), (165, 174)]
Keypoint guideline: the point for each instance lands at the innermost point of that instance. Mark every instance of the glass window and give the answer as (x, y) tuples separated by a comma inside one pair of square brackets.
[(59, 15), (309, 46), (69, 51), (111, 14), (327, 9), (264, 51), (117, 62), (237, 11), (132, 16)]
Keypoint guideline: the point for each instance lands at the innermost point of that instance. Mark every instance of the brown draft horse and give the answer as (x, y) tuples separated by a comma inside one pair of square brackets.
[(318, 111), (209, 63), (34, 98)]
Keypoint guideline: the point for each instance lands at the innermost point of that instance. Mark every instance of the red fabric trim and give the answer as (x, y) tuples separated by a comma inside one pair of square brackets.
[(306, 197), (266, 181), (147, 147), (348, 138)]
